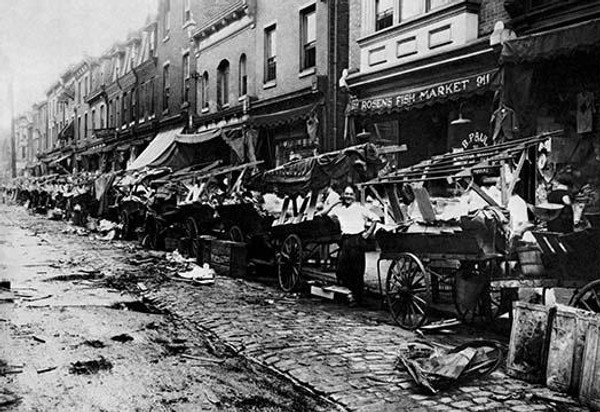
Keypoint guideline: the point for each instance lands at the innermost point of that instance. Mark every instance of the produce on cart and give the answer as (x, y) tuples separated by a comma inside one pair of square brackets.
[(305, 243), (456, 220)]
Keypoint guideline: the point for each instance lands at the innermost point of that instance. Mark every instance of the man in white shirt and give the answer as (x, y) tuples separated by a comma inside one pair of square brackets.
[(354, 219)]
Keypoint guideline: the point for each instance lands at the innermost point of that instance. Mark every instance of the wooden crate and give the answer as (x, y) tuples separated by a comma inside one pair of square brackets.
[(528, 347), (226, 257), (589, 393), (565, 350)]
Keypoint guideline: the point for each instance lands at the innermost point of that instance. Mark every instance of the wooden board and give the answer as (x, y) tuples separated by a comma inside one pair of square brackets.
[(565, 350), (527, 349), (589, 393)]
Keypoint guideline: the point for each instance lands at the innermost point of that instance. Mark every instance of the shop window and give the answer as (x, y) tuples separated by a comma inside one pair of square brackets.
[(243, 86), (384, 13), (308, 21), (270, 54), (186, 77), (223, 84), (166, 87)]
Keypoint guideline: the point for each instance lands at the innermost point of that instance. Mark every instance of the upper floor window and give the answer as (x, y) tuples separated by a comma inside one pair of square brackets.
[(308, 21), (103, 117), (134, 93), (187, 12), (85, 126), (111, 113), (243, 86), (270, 54), (384, 12), (166, 87), (185, 64), (79, 97), (223, 84), (150, 97), (204, 91), (125, 109), (166, 18), (93, 119)]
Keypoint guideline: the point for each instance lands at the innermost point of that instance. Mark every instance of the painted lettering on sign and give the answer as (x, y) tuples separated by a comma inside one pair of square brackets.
[(404, 100), (475, 139)]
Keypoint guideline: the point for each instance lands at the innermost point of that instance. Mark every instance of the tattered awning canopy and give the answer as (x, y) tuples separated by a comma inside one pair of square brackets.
[(60, 159), (317, 172), (283, 117), (552, 43), (156, 148)]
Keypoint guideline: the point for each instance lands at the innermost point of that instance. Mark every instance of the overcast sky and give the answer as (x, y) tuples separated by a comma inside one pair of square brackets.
[(41, 38)]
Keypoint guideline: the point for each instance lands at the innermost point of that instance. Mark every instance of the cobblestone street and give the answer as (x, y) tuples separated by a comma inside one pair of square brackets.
[(340, 354)]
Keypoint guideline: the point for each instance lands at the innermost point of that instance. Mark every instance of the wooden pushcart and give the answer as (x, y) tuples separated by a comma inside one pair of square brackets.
[(471, 254), (305, 244)]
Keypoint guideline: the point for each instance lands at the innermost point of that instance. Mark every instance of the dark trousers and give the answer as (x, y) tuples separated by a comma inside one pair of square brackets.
[(351, 264)]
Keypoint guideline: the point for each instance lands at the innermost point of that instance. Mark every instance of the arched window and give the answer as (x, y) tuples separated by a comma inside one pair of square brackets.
[(223, 84), (243, 86), (204, 92)]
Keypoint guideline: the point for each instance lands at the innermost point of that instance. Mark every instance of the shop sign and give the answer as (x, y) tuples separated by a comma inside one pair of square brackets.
[(424, 95), (474, 139)]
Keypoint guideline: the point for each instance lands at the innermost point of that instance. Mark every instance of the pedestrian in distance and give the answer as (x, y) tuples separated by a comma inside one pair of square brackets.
[(357, 223)]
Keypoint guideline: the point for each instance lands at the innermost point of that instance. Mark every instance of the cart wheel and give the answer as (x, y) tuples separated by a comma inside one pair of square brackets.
[(236, 234), (408, 291), (290, 263), (127, 229), (588, 297), (191, 232)]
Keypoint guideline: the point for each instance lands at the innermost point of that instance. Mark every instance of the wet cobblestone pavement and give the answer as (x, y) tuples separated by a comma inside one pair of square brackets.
[(346, 355)]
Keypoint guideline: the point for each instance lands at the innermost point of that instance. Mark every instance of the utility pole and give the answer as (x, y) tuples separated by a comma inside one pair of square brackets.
[(13, 149)]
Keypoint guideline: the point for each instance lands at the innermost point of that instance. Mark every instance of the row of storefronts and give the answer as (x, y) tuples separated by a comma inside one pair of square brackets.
[(471, 84)]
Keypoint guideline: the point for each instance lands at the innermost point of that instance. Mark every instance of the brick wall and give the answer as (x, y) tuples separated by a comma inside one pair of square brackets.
[(491, 12)]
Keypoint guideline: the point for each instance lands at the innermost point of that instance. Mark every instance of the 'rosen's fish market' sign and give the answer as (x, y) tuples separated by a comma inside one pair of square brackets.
[(423, 95)]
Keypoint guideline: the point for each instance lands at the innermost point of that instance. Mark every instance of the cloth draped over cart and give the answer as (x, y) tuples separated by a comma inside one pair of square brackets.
[(356, 163)]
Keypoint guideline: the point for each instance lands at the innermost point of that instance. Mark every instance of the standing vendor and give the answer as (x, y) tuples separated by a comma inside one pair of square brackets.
[(353, 219), (561, 194)]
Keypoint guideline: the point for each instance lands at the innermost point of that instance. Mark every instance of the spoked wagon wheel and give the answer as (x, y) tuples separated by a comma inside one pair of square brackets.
[(236, 234), (191, 232), (408, 291), (588, 297), (290, 263)]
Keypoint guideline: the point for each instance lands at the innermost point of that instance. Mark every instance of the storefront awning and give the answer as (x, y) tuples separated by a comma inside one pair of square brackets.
[(426, 95), (283, 117), (197, 138), (552, 43), (156, 148)]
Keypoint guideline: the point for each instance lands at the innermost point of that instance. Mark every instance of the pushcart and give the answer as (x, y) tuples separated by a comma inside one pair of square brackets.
[(470, 255), (304, 243)]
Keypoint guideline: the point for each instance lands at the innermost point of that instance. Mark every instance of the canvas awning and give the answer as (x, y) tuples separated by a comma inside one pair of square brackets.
[(283, 117), (552, 43), (197, 138), (156, 148)]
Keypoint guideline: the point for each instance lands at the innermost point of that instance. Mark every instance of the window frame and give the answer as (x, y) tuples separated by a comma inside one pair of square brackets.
[(223, 70), (270, 53), (186, 77), (166, 86), (204, 104), (187, 11), (305, 45), (243, 76)]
